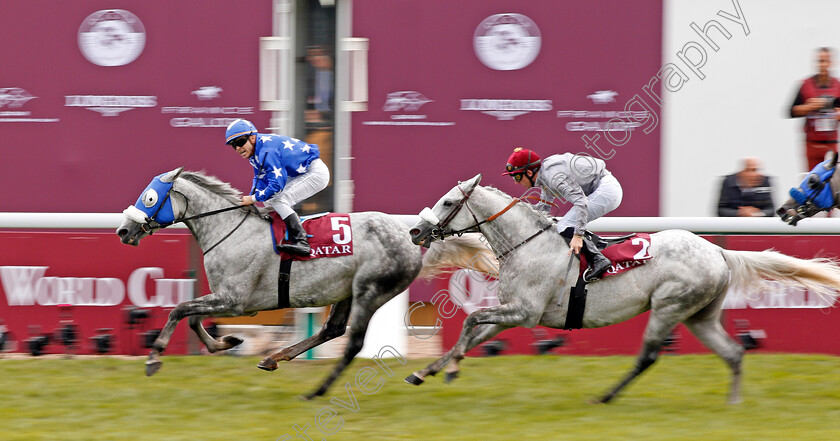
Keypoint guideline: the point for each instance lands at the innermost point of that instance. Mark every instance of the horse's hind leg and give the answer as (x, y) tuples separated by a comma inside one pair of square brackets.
[(364, 306), (335, 326), (660, 324), (213, 345), (706, 326), (211, 304)]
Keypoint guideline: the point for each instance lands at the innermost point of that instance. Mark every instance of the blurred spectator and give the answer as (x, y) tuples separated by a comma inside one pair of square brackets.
[(817, 101), (323, 78), (746, 193)]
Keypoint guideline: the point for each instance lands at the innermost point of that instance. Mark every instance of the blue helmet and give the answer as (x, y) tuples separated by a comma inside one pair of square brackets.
[(239, 128)]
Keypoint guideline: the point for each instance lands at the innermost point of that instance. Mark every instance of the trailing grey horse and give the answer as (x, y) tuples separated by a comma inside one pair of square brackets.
[(685, 281), (243, 269)]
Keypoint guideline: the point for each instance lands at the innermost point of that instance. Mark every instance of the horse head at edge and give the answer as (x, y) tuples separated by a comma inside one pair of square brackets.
[(436, 221), (151, 209)]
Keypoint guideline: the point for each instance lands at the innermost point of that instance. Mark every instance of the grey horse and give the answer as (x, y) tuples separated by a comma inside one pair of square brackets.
[(685, 281), (242, 269)]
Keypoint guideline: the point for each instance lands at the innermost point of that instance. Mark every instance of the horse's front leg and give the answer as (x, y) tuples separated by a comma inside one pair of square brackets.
[(209, 305), (212, 345), (506, 315)]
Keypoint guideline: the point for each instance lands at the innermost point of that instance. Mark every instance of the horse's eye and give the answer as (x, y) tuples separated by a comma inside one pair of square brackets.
[(447, 203), (150, 198)]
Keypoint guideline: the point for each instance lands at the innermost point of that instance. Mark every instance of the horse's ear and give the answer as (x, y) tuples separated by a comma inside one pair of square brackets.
[(474, 181), (171, 176)]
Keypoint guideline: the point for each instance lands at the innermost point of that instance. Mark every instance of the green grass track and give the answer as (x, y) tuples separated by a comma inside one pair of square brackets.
[(786, 397)]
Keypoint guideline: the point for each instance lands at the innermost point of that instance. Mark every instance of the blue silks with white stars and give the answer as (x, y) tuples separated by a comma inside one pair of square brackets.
[(276, 159)]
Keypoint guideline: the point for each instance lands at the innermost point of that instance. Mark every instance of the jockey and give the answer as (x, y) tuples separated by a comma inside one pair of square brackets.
[(286, 172), (582, 180)]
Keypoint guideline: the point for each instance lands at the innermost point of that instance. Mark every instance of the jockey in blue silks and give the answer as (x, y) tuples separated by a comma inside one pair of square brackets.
[(287, 171)]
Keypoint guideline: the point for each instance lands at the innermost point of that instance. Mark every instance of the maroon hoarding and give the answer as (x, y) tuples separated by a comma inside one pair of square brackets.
[(98, 97), (50, 279), (455, 86), (783, 319)]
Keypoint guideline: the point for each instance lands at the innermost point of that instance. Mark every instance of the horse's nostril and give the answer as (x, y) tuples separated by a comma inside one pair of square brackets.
[(414, 231), (122, 232)]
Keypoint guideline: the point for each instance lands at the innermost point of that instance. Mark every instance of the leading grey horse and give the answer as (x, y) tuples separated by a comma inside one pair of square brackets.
[(243, 269), (685, 281)]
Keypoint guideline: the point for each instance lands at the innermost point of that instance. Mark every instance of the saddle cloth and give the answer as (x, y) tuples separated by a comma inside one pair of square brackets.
[(626, 255), (330, 235)]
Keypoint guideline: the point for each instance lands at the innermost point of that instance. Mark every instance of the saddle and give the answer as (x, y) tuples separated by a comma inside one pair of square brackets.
[(330, 235), (625, 252)]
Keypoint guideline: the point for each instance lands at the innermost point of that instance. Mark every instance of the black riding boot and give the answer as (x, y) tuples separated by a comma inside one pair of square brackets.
[(596, 261), (298, 242)]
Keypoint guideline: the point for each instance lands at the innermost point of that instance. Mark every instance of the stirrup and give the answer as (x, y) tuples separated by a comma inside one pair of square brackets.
[(300, 249), (590, 276)]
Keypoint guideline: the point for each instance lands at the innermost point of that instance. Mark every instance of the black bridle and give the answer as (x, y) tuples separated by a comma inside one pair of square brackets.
[(438, 232), (153, 224)]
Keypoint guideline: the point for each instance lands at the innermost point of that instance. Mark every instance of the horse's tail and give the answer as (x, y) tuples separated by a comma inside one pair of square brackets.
[(468, 251), (819, 275)]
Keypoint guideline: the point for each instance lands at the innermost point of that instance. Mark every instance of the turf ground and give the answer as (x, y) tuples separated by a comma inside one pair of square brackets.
[(786, 397)]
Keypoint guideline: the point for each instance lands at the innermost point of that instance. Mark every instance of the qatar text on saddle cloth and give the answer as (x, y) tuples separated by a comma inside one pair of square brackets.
[(330, 235), (626, 255)]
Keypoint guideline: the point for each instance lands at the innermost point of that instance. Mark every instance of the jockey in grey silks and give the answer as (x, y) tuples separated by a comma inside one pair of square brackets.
[(582, 180)]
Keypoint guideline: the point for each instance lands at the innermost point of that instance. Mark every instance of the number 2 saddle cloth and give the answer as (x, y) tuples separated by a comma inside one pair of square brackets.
[(330, 235), (626, 255)]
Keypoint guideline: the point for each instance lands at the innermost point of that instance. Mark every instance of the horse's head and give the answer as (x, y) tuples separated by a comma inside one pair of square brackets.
[(816, 192), (446, 216), (154, 209)]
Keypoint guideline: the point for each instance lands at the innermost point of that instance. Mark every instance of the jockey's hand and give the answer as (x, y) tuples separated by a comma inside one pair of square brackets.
[(576, 244), (247, 200)]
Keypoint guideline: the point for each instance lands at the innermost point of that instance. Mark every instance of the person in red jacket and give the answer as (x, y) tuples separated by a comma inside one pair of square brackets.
[(817, 101)]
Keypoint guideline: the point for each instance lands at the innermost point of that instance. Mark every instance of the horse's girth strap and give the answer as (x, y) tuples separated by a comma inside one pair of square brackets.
[(283, 279), (577, 303)]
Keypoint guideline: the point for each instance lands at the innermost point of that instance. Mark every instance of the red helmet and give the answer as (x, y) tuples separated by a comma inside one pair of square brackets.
[(521, 160)]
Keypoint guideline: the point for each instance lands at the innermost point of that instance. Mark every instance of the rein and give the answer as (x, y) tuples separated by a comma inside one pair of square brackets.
[(152, 224), (440, 234)]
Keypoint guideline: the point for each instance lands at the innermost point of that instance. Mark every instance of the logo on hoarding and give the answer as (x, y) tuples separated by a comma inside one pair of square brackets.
[(110, 105), (507, 41), (205, 116), (207, 92), (111, 37), (506, 110), (15, 98), (603, 96), (406, 101)]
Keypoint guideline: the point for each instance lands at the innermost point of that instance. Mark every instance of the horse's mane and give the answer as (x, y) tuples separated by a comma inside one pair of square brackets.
[(212, 184)]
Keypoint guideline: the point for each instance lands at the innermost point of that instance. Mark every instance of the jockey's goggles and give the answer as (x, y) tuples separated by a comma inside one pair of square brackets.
[(517, 176), (239, 142)]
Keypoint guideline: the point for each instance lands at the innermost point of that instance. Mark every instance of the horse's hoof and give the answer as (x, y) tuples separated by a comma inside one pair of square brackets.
[(310, 396), (595, 401), (414, 379), (152, 366), (450, 377), (232, 341), (267, 364)]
